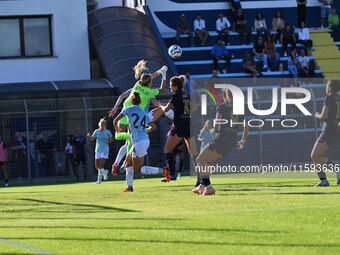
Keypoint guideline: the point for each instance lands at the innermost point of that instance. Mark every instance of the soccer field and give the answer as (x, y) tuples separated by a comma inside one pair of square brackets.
[(246, 216)]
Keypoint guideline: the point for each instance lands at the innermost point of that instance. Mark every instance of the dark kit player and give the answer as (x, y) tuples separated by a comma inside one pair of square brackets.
[(181, 123), (330, 116), (79, 147), (222, 144)]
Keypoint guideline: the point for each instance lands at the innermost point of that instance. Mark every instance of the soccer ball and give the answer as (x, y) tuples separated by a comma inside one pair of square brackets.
[(175, 51)]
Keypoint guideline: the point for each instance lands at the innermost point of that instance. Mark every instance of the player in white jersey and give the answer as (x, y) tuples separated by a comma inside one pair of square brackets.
[(138, 121), (103, 138)]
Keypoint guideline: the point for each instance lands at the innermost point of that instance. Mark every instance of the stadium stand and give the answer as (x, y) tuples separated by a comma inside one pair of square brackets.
[(197, 60)]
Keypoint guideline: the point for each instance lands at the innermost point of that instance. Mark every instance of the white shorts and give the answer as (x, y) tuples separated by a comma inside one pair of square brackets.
[(99, 155), (150, 114), (140, 148)]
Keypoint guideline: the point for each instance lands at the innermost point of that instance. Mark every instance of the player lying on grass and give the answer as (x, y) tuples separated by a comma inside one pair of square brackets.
[(222, 144), (142, 86), (330, 116), (137, 120), (103, 138), (180, 102)]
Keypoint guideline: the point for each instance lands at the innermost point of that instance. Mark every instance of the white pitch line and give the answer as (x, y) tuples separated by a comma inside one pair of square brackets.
[(25, 246), (283, 190)]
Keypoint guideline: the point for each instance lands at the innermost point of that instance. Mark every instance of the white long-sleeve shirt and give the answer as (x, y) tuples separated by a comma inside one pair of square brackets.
[(222, 24), (200, 25), (304, 34)]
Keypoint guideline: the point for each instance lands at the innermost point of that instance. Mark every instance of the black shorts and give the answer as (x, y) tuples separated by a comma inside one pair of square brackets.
[(329, 136), (222, 144), (80, 158), (2, 163), (181, 130)]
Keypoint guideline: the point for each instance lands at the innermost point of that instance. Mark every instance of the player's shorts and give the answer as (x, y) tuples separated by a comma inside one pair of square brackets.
[(80, 158), (181, 130), (100, 155), (329, 136), (325, 12), (222, 144), (140, 148), (2, 163), (123, 121)]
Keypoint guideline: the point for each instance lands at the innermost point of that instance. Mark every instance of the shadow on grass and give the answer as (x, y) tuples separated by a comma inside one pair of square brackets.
[(80, 205), (149, 228), (179, 242)]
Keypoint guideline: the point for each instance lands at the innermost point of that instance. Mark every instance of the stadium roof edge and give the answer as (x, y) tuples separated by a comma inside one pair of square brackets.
[(54, 87)]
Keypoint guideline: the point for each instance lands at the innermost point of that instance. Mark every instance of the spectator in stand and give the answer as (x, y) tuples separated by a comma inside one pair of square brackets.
[(220, 52), (292, 64), (200, 31), (278, 24), (79, 147), (301, 11), (183, 27), (19, 156), (214, 74), (189, 83), (260, 25), (249, 66), (240, 28), (326, 8), (305, 70), (287, 36), (46, 150), (273, 56), (223, 28), (234, 5), (333, 21), (259, 52), (3, 159), (304, 37), (69, 155)]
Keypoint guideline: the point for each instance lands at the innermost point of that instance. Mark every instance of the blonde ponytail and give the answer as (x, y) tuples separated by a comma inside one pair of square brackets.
[(139, 68)]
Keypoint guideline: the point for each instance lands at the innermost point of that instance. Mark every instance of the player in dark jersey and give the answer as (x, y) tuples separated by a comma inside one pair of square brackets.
[(180, 102), (79, 148), (223, 143), (177, 151), (330, 116)]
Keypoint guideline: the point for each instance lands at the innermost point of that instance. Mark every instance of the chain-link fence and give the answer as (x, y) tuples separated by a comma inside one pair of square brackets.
[(270, 144), (37, 131), (37, 134)]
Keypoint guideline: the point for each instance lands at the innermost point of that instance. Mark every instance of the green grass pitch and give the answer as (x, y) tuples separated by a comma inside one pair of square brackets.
[(246, 216)]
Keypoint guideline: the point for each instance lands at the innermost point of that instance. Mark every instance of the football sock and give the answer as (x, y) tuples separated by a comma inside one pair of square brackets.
[(122, 135), (206, 181), (181, 163), (129, 176), (171, 163), (121, 154), (152, 170), (330, 165)]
